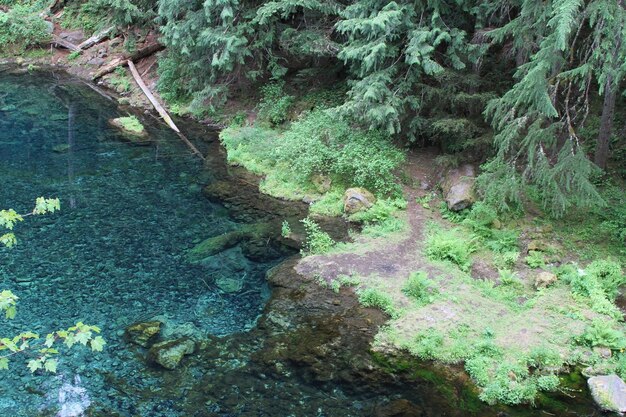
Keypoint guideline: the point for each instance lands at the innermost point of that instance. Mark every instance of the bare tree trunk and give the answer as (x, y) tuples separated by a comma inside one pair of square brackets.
[(606, 124)]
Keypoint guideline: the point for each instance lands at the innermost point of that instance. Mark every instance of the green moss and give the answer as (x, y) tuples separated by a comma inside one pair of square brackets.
[(131, 124)]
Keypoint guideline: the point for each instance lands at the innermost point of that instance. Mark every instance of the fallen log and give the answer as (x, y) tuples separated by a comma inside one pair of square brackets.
[(166, 117), (65, 44), (124, 59), (95, 39)]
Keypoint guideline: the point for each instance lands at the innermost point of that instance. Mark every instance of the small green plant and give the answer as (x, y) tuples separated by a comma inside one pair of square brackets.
[(120, 81), (424, 201), (73, 55), (602, 333), (608, 274), (349, 280), (317, 241), (535, 259), (427, 344), (450, 245), (371, 297), (509, 278), (285, 229), (419, 288)]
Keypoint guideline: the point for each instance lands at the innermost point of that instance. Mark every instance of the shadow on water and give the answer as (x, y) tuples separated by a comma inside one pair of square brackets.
[(116, 254)]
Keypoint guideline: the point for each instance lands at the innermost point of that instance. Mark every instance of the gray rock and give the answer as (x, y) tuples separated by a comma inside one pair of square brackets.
[(75, 36), (609, 392), (96, 61), (169, 353), (357, 199), (458, 188)]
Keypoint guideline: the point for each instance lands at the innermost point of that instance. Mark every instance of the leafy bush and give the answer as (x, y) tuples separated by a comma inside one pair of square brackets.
[(22, 27), (609, 274), (317, 241), (419, 288), (602, 333), (450, 245), (275, 103), (371, 297), (320, 143)]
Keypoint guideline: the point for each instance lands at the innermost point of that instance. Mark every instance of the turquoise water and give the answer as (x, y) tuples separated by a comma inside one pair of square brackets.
[(115, 255)]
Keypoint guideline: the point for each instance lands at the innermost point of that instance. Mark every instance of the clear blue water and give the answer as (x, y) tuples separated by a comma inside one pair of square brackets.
[(114, 254)]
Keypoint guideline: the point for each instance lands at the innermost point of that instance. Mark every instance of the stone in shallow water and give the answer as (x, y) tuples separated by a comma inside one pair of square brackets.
[(169, 353), (609, 392), (143, 333)]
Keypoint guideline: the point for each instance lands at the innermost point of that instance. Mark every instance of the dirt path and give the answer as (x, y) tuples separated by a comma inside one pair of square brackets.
[(399, 255)]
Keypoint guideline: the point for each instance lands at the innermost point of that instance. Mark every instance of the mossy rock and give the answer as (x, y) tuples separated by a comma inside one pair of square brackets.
[(61, 148), (169, 353), (214, 245), (143, 333), (132, 129)]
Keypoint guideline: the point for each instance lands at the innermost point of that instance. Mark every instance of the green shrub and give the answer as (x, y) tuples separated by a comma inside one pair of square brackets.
[(419, 288), (22, 27), (317, 241), (371, 297), (426, 345), (319, 143), (602, 333), (609, 275), (450, 245), (275, 104), (535, 259)]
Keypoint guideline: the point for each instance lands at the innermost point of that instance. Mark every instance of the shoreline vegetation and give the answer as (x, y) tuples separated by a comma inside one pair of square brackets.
[(523, 284)]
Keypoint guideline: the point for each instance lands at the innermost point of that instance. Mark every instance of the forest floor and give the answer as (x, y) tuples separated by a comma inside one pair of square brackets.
[(510, 335)]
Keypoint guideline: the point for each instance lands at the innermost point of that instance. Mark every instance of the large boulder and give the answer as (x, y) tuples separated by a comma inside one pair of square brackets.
[(458, 187), (357, 199), (609, 392), (169, 353), (143, 333)]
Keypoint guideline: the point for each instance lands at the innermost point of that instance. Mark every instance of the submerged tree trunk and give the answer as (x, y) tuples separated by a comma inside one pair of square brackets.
[(606, 124)]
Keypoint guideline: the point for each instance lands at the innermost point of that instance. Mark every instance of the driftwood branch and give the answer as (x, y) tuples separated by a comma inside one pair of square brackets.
[(166, 117), (65, 44), (124, 59), (95, 39)]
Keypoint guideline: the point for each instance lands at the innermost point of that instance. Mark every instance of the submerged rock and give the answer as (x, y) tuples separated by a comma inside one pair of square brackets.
[(230, 284), (169, 353), (357, 199), (215, 245), (61, 148), (458, 188), (143, 333), (609, 392)]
